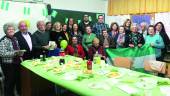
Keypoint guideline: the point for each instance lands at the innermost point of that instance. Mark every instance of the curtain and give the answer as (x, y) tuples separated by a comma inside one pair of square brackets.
[(122, 7)]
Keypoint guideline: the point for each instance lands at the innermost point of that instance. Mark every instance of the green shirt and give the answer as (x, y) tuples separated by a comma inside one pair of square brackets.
[(157, 41), (87, 40)]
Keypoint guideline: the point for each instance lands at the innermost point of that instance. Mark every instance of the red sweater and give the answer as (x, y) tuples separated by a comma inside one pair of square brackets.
[(70, 50)]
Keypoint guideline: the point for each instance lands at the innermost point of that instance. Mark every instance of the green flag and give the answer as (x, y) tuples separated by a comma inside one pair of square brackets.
[(27, 10), (7, 6), (138, 55), (66, 20), (2, 4), (78, 21), (90, 18), (44, 12), (54, 13)]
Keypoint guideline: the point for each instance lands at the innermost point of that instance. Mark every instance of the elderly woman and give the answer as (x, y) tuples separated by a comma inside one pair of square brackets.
[(96, 48), (143, 29), (155, 41), (10, 57), (134, 38)]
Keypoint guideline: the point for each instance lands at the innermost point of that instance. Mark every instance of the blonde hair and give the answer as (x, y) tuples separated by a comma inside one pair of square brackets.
[(55, 24), (96, 40)]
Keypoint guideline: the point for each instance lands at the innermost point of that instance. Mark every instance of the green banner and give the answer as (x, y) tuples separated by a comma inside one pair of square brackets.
[(66, 19), (90, 18), (45, 12), (54, 13), (7, 6), (27, 11), (131, 52), (2, 4), (78, 21)]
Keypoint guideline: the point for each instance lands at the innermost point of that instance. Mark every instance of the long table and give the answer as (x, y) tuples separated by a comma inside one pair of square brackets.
[(104, 80)]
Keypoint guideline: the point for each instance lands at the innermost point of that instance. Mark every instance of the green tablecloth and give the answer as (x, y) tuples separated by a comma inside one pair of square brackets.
[(81, 87)]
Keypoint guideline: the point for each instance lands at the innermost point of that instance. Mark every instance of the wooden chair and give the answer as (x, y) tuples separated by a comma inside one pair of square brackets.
[(122, 62)]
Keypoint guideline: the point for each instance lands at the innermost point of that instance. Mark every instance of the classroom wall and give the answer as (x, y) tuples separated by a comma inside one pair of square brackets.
[(15, 12), (98, 6)]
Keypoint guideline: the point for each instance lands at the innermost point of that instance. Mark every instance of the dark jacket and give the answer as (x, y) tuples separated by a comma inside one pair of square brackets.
[(82, 26), (57, 37), (110, 41), (129, 40), (24, 46)]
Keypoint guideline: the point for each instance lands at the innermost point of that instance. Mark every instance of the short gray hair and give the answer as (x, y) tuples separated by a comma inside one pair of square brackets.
[(7, 25)]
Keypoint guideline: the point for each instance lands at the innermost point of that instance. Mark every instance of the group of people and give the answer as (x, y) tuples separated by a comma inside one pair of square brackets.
[(84, 40)]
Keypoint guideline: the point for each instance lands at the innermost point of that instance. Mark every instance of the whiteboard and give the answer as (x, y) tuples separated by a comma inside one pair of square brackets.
[(15, 13)]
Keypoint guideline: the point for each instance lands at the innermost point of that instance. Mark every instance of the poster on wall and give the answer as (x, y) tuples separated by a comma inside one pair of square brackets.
[(141, 18)]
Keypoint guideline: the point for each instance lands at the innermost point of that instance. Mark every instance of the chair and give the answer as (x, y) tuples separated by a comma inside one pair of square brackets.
[(122, 62)]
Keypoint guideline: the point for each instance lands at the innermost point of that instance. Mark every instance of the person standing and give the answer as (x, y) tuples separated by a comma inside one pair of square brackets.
[(76, 32), (56, 34), (11, 55), (25, 40), (134, 38), (83, 24), (41, 40), (155, 41), (99, 26), (160, 29), (143, 29)]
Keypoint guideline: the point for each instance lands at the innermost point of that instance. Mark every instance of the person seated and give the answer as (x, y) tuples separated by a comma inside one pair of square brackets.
[(96, 49), (105, 40), (88, 38), (75, 49), (134, 38)]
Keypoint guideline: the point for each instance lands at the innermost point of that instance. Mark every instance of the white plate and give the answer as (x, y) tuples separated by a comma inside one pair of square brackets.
[(99, 85), (70, 76), (146, 83)]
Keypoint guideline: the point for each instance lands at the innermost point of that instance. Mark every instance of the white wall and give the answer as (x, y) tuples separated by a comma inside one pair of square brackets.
[(79, 5), (15, 14)]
